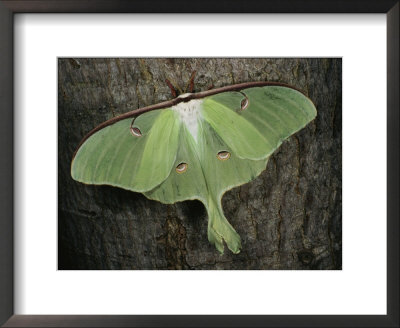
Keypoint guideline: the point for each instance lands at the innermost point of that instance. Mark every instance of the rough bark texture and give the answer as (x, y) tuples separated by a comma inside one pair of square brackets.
[(290, 217)]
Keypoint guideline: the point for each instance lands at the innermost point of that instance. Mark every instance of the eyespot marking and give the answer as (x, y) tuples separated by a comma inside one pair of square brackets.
[(181, 168), (244, 103), (136, 132), (223, 155)]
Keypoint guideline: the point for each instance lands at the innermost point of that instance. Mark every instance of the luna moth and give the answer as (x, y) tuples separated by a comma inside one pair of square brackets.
[(195, 146)]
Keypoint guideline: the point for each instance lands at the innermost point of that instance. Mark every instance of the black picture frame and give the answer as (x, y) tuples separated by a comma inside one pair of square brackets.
[(7, 10)]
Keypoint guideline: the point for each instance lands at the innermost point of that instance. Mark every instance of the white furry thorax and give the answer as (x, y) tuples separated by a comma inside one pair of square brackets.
[(190, 113)]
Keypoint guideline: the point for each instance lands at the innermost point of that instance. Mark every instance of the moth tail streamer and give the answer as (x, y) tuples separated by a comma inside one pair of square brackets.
[(220, 230)]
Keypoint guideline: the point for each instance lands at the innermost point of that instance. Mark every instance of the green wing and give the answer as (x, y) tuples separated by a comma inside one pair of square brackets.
[(116, 157), (272, 115), (196, 150)]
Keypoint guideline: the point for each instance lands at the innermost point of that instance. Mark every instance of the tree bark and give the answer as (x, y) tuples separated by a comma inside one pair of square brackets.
[(290, 217)]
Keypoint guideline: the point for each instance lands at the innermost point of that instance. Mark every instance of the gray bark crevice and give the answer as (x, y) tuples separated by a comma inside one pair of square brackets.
[(290, 217)]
